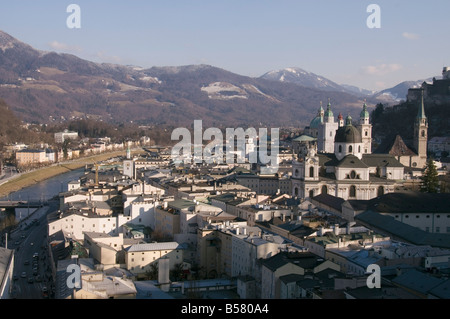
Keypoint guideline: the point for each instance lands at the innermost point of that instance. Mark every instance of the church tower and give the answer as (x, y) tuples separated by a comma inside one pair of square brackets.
[(340, 120), (421, 131), (366, 130), (327, 132)]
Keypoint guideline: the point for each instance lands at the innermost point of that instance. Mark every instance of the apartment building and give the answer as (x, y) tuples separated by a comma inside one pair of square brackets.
[(140, 257), (31, 157)]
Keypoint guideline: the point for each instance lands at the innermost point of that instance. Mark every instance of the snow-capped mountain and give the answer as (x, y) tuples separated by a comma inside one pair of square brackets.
[(308, 79), (303, 78), (356, 90), (399, 92)]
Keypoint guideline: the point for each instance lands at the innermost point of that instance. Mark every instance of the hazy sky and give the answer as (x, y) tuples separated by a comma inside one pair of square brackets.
[(249, 37)]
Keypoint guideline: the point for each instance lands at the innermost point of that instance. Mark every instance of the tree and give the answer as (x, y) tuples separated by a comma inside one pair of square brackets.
[(152, 273), (430, 180), (176, 273)]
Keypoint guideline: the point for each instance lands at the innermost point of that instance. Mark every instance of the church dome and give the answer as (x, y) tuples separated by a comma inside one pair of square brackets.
[(316, 122), (348, 134)]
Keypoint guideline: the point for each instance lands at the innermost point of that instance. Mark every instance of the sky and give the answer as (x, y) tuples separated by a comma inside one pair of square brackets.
[(248, 37)]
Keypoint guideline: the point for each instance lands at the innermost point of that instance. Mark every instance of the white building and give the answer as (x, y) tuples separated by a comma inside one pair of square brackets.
[(60, 137), (74, 223), (348, 170), (140, 257)]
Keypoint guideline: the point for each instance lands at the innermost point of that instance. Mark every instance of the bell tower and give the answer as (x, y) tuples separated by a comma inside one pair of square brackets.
[(366, 130), (421, 130)]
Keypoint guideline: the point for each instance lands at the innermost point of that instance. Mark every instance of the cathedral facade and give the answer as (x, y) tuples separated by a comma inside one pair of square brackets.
[(336, 158)]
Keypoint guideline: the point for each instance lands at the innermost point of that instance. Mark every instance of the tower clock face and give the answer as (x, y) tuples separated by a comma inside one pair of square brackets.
[(311, 162)]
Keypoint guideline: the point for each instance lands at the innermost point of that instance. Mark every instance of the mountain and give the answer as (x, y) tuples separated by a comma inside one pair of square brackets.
[(47, 86), (356, 90), (311, 80), (303, 78), (399, 92)]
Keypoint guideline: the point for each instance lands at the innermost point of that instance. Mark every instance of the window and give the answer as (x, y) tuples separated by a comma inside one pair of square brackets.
[(380, 191), (352, 174), (340, 148), (406, 216), (324, 189), (438, 229), (311, 171), (352, 191), (423, 133), (350, 149), (367, 133), (311, 193)]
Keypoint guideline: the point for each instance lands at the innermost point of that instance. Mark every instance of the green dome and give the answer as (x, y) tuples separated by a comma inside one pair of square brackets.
[(316, 122)]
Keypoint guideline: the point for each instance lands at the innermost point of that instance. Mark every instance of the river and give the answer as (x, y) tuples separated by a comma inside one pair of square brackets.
[(41, 191)]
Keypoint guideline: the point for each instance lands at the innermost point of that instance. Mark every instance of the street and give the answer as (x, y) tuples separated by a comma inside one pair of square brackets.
[(32, 271)]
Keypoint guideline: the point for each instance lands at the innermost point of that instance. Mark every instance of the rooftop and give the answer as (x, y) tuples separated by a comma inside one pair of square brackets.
[(154, 246)]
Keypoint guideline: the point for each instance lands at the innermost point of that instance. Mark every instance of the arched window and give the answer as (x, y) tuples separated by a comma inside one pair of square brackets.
[(350, 149), (367, 133), (423, 133), (380, 191), (352, 191), (296, 191), (340, 148), (311, 193), (324, 189), (311, 171), (359, 149), (296, 172)]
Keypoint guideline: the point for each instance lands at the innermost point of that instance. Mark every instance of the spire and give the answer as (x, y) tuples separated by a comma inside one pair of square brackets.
[(329, 113), (421, 114), (364, 113), (321, 112), (348, 120), (340, 117)]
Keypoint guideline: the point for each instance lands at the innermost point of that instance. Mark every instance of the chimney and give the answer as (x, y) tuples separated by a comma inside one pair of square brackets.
[(336, 229)]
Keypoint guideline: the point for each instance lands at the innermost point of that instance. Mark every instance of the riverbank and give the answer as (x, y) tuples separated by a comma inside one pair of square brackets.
[(34, 177)]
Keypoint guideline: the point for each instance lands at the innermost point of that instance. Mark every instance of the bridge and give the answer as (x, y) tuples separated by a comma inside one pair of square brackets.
[(10, 205)]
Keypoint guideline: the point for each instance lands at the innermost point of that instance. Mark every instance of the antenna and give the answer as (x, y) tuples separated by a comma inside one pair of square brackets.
[(96, 174)]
